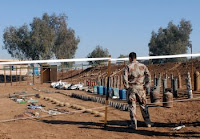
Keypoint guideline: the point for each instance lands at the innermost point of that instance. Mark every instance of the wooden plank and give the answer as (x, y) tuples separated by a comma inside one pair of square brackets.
[(107, 95)]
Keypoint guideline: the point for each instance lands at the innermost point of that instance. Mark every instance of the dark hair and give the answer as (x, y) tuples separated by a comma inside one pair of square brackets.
[(132, 55)]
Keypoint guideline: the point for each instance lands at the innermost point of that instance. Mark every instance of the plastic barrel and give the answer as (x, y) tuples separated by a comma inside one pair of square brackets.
[(116, 92), (95, 89), (36, 72), (105, 91), (100, 90), (122, 94)]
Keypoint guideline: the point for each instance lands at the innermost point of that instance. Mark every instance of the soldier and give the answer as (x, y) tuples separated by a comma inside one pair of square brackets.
[(136, 80)]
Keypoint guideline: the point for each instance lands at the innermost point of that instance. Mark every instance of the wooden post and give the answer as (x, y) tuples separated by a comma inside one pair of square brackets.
[(166, 77), (196, 81), (106, 79), (164, 85), (100, 71), (174, 82), (11, 75), (27, 75), (4, 75), (118, 81), (41, 74), (71, 75), (172, 77), (20, 77), (110, 81), (16, 74), (158, 82), (192, 74), (107, 95), (121, 82), (113, 82), (154, 79), (179, 81), (189, 86)]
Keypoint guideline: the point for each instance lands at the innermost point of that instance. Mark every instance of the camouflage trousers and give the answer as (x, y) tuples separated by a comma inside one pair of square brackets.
[(137, 94)]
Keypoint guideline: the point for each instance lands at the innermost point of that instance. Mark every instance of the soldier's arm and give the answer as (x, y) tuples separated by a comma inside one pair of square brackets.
[(147, 77), (125, 77)]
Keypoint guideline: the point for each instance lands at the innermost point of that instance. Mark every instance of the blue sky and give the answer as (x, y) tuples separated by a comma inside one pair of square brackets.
[(121, 26)]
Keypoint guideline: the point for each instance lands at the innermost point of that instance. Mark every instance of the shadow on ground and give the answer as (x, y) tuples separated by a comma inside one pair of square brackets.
[(122, 126)]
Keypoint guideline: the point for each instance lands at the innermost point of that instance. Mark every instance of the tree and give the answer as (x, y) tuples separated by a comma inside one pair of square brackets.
[(45, 38), (122, 56), (171, 40), (98, 52)]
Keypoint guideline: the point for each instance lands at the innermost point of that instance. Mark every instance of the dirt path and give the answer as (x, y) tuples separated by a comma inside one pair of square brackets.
[(85, 125)]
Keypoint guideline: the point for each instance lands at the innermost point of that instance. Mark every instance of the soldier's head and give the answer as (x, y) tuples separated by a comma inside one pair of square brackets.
[(132, 56)]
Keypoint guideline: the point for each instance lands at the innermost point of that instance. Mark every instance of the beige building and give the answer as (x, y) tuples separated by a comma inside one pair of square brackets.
[(13, 69)]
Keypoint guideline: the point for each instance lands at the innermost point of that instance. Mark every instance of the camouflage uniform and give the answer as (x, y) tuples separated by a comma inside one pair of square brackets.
[(136, 79)]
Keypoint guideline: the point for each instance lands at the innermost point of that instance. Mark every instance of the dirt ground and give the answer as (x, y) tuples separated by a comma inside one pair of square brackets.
[(85, 125)]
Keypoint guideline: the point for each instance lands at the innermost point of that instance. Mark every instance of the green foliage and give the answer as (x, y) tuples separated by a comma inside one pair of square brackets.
[(45, 38), (122, 56), (98, 52), (171, 40)]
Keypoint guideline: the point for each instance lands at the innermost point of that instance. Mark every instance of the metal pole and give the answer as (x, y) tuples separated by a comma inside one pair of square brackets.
[(27, 75), (5, 76), (11, 75), (20, 77), (16, 74), (71, 75), (192, 81), (107, 95), (33, 75)]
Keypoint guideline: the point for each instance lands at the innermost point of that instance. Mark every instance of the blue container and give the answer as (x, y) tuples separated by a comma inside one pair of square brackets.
[(122, 94), (105, 91), (95, 89), (36, 72), (116, 92), (100, 90)]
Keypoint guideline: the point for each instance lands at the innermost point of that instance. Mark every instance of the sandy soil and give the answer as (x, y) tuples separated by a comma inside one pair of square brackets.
[(85, 125)]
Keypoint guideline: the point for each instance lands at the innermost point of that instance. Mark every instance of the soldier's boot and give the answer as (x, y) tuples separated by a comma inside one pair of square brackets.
[(149, 123), (134, 124)]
